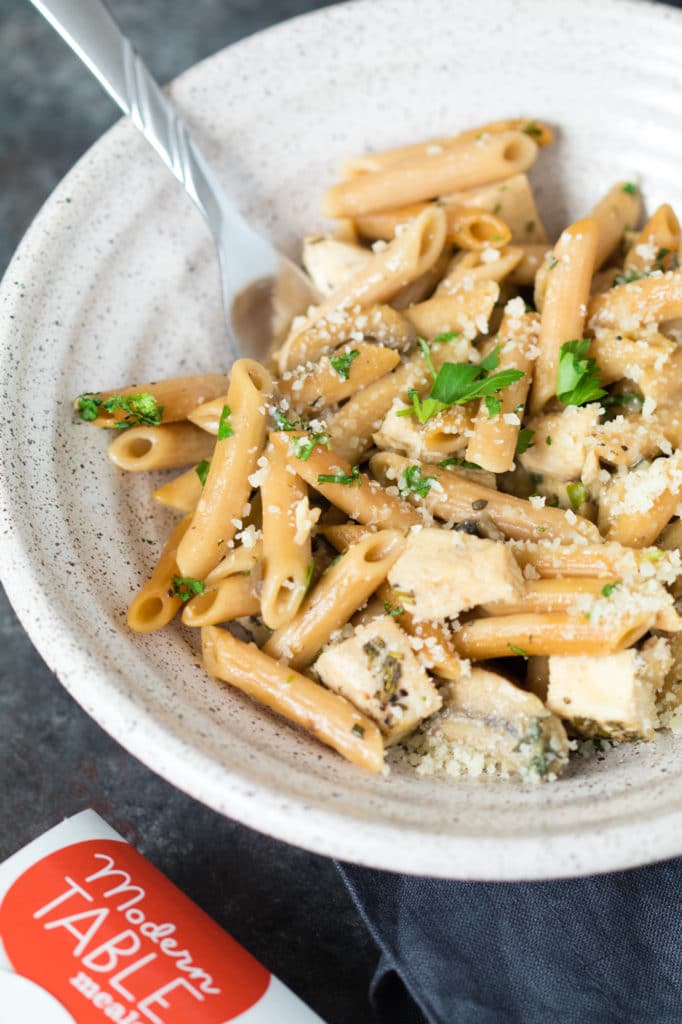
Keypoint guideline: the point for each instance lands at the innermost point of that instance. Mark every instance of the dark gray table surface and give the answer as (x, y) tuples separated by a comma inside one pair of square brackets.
[(288, 907)]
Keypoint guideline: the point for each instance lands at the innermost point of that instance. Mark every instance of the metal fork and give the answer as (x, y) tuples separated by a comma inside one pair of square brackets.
[(262, 290)]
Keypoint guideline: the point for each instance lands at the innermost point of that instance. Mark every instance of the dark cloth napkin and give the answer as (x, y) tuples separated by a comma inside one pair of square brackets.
[(599, 950)]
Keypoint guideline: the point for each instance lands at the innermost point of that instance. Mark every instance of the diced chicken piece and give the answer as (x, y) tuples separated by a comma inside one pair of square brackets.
[(431, 441), (378, 672), (560, 442), (512, 728), (330, 263), (444, 572), (612, 696)]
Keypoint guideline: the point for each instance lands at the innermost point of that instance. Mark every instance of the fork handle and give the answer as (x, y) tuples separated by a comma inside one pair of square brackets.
[(92, 33)]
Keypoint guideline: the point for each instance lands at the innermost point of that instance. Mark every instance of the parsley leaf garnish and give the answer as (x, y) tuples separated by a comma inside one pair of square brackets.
[(533, 129), (347, 479), (185, 587), (309, 575), (412, 482), (524, 440), (455, 460), (393, 610), (630, 188), (303, 447), (493, 405), (577, 494), (202, 470), (225, 427), (577, 375), (282, 423), (609, 588), (342, 363), (458, 383), (139, 409), (517, 650)]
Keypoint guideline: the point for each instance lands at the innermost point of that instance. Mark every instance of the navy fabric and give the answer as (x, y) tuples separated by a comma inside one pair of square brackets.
[(601, 950)]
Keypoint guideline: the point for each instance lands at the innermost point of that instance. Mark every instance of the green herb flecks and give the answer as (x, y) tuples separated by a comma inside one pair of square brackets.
[(282, 423), (609, 588), (517, 651), (351, 479), (524, 440), (225, 427), (202, 470), (186, 587), (393, 610), (455, 460), (358, 730), (303, 447), (630, 188), (578, 375), (533, 129), (411, 481), (577, 494), (343, 362), (140, 409), (493, 405)]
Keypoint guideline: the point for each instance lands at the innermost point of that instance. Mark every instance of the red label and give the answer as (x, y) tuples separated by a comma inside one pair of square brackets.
[(113, 940)]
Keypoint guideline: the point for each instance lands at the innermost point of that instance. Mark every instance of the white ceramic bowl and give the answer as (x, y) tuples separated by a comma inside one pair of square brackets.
[(116, 281)]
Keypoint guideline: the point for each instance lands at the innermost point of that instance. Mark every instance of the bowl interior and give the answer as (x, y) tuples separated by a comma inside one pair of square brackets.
[(117, 282)]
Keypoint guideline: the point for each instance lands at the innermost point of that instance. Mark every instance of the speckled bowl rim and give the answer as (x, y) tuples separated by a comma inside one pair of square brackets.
[(561, 854)]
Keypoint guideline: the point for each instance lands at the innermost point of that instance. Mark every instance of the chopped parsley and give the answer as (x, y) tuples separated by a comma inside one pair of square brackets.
[(309, 575), (609, 588), (358, 730), (553, 263), (351, 479), (518, 651), (458, 383), (139, 409), (548, 440), (577, 494), (225, 427), (393, 610), (303, 447), (202, 470), (533, 129), (629, 276), (525, 440), (412, 482), (343, 362), (455, 460), (186, 587), (282, 423), (577, 375), (493, 405), (497, 208), (630, 188)]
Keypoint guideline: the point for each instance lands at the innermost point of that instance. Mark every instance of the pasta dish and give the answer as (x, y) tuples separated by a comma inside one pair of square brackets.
[(443, 522)]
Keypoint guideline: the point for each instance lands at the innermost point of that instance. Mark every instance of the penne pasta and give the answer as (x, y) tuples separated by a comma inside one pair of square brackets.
[(463, 165), (453, 499), (218, 515), (504, 636), (157, 602), (341, 591), (413, 252), (229, 598), (358, 496), (182, 493), (465, 311), (511, 200), (631, 306), (167, 447), (327, 716), (336, 377), (565, 305), (288, 521), (618, 211)]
